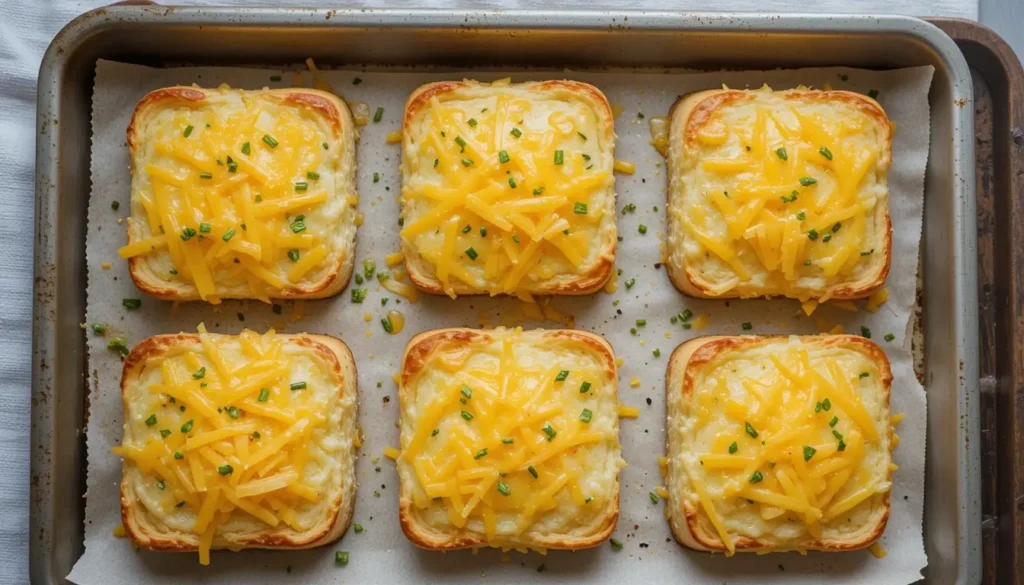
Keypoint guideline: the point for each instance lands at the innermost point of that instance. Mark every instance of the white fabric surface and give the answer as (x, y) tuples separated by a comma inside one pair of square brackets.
[(26, 28)]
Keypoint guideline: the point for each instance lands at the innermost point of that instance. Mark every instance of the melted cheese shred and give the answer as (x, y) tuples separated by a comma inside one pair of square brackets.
[(788, 443), (229, 435), (511, 435), (784, 195), (506, 189), (237, 197)]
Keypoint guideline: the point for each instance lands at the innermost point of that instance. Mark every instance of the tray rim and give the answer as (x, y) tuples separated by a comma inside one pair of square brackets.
[(46, 331)]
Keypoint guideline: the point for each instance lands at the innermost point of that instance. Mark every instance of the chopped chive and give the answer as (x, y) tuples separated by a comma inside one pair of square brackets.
[(270, 141), (483, 231), (187, 234), (791, 198), (562, 375), (868, 253), (733, 448), (358, 295), (357, 527), (199, 374), (467, 162), (480, 453), (817, 407), (559, 157), (264, 395), (812, 235), (471, 122), (115, 205), (629, 283), (642, 229), (801, 216), (586, 415), (386, 324), (205, 228), (532, 471), (98, 329), (656, 353), (467, 229), (686, 315), (471, 253), (376, 177), (151, 420), (225, 470), (293, 255), (836, 227), (298, 385), (298, 226), (538, 190), (809, 452), (178, 455), (118, 344), (825, 152), (580, 208), (585, 156), (255, 435), (460, 142), (549, 431), (188, 131), (161, 484), (233, 411), (628, 208), (435, 162), (641, 322), (841, 446), (466, 415), (503, 156), (131, 304), (516, 132), (341, 556), (826, 405), (435, 432), (369, 267), (378, 115), (863, 375), (232, 165), (508, 440), (889, 337), (616, 543), (324, 144), (301, 186), (179, 504), (582, 135), (781, 153), (746, 326), (837, 435), (512, 182), (750, 430), (585, 387), (808, 181), (503, 489), (865, 332), (228, 235), (187, 427), (246, 148), (756, 477), (834, 421)]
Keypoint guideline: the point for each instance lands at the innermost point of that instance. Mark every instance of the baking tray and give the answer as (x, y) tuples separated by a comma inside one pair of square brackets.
[(999, 159), (238, 36)]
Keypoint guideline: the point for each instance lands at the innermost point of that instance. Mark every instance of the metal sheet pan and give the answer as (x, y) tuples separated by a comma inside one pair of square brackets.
[(153, 35)]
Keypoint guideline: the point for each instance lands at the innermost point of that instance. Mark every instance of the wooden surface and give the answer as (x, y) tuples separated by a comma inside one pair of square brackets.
[(999, 151)]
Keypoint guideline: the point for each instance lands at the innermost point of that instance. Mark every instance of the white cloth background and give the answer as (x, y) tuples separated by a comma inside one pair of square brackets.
[(26, 29)]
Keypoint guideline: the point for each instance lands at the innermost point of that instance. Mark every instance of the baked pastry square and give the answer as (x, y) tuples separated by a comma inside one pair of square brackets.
[(508, 188), (238, 442), (241, 194), (778, 193), (778, 443), (509, 439)]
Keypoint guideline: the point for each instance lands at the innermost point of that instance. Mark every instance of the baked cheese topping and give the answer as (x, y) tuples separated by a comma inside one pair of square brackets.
[(508, 186), (783, 194), (235, 435), (785, 441), (511, 433), (239, 196)]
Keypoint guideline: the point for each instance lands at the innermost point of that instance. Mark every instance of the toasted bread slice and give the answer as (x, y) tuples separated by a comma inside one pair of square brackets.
[(509, 439), (220, 457), (508, 188), (241, 194), (778, 194), (778, 443)]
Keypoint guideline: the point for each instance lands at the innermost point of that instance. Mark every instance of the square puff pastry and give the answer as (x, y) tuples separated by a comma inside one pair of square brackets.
[(778, 193), (509, 439), (508, 188), (241, 194), (284, 480), (778, 443)]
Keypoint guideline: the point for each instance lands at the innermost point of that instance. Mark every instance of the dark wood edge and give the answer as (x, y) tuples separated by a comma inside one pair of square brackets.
[(1001, 290)]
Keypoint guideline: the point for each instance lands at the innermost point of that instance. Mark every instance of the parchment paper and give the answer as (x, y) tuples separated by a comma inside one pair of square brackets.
[(381, 554)]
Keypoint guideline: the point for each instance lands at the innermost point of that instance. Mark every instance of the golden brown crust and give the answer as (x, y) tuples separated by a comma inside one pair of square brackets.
[(331, 527), (586, 283), (690, 358), (417, 354), (330, 107), (700, 107)]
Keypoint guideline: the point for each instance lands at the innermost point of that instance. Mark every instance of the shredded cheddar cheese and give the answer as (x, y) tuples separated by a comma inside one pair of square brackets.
[(240, 196), (787, 440), (783, 197), (506, 190), (233, 435), (508, 432)]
